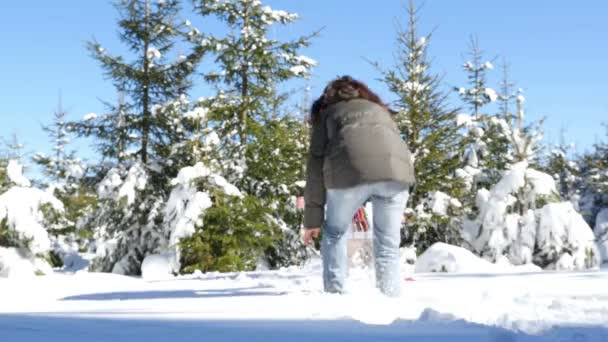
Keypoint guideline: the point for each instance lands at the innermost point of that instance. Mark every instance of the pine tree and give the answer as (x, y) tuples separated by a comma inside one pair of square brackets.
[(497, 127), (430, 129), (61, 164), (593, 181), (525, 141), (64, 179), (507, 94), (565, 171), (261, 147), (135, 183), (486, 154), (251, 64), (15, 149), (593, 186), (477, 95), (150, 31)]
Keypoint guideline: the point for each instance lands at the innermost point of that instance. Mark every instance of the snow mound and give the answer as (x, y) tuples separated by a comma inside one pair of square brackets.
[(158, 266), (441, 257), (542, 183), (13, 265)]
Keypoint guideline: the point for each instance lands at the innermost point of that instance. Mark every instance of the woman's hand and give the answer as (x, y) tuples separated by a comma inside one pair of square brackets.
[(310, 234)]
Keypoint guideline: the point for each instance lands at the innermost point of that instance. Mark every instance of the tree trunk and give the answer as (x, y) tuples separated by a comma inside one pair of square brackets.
[(145, 122), (244, 90), (245, 105)]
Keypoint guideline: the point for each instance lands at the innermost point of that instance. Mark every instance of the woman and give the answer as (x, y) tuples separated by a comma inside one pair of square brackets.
[(356, 154)]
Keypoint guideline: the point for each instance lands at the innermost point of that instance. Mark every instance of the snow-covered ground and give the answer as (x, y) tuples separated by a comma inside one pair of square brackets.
[(288, 305)]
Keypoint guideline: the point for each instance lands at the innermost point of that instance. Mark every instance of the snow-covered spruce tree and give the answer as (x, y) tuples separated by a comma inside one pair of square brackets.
[(215, 226), (26, 213), (261, 147), (136, 137), (192, 236), (60, 164), (275, 171), (593, 184), (496, 128), (430, 129), (524, 141), (564, 169), (476, 96), (594, 180), (521, 219), (63, 178), (64, 171), (487, 153)]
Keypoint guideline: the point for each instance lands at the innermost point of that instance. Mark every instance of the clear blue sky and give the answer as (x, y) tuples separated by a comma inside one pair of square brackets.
[(557, 51)]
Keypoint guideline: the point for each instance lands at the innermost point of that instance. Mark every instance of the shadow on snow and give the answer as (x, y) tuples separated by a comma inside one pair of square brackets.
[(51, 328), (176, 294)]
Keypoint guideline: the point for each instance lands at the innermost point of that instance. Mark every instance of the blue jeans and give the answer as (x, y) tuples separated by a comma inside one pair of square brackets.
[(388, 202)]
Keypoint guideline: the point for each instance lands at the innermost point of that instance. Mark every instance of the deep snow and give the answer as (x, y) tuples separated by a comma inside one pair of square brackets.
[(289, 305)]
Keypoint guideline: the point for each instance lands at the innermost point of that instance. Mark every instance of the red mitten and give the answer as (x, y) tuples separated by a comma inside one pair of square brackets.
[(360, 223)]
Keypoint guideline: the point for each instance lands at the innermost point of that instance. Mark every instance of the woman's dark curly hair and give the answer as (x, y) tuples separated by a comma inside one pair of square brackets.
[(344, 88)]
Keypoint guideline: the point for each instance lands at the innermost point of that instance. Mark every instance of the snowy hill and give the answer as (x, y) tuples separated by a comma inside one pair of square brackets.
[(289, 304)]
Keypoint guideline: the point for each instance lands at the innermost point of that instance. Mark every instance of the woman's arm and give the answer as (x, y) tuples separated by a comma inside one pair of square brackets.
[(314, 193)]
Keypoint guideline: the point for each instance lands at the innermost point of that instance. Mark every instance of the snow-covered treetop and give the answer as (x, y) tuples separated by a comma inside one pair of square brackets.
[(152, 74), (232, 11), (248, 49), (525, 141), (476, 94)]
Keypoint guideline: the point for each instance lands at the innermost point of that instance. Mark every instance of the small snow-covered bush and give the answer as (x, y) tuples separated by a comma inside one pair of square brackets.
[(521, 219), (601, 233), (125, 222), (564, 240), (234, 235), (25, 216)]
